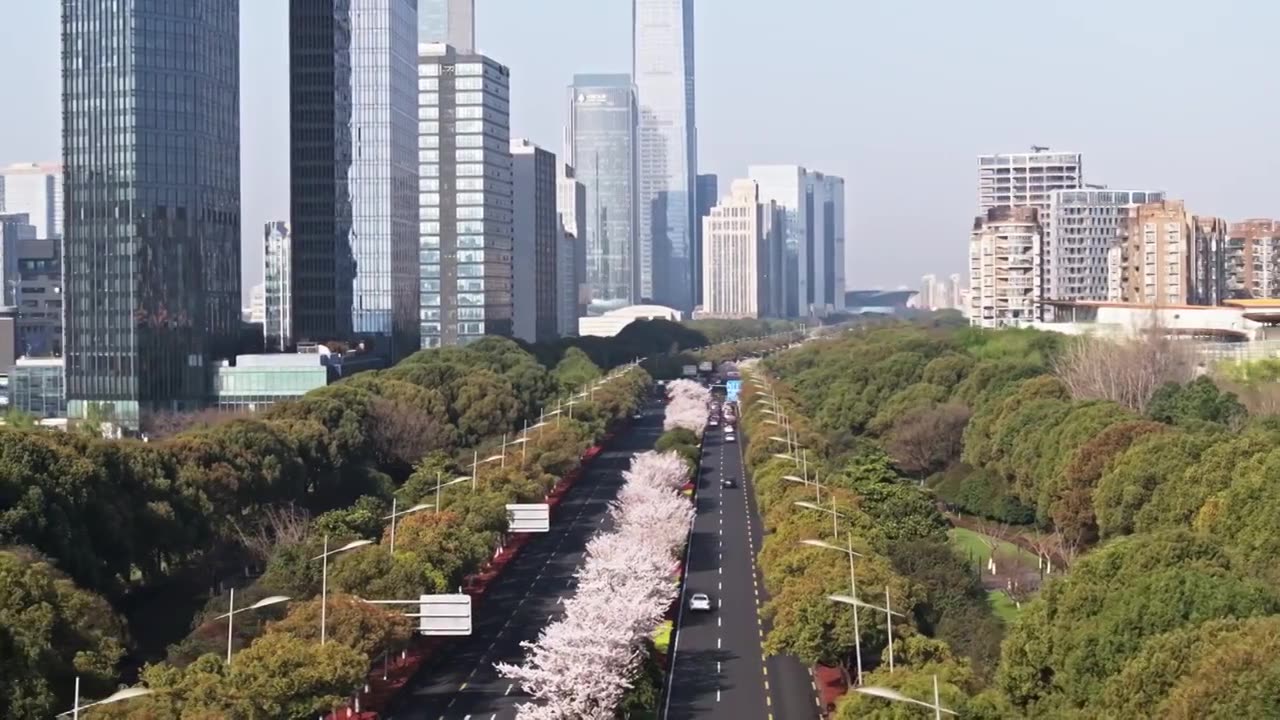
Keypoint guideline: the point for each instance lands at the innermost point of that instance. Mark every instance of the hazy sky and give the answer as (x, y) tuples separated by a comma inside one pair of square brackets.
[(896, 96)]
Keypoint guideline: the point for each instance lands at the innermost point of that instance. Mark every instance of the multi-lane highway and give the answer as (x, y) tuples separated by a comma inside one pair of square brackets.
[(462, 683), (718, 667)]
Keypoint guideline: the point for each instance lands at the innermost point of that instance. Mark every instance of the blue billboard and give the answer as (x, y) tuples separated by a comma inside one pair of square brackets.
[(731, 390)]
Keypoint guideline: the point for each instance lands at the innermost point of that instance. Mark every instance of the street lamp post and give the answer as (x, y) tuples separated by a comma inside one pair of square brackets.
[(324, 576), (476, 462), (853, 592), (894, 695), (232, 612), (889, 613), (117, 696)]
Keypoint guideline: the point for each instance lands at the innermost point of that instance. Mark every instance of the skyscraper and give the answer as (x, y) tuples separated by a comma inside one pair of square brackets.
[(465, 191), (452, 22), (739, 236), (706, 195), (602, 150), (277, 327), (571, 261), (662, 65), (152, 231), (354, 251), (813, 236), (535, 241), (34, 189)]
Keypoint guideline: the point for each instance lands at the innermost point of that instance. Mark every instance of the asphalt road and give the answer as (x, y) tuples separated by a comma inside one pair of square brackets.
[(718, 667), (462, 683)]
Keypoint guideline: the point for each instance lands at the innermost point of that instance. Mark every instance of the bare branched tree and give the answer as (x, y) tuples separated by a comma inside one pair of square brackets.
[(1125, 371), (276, 526)]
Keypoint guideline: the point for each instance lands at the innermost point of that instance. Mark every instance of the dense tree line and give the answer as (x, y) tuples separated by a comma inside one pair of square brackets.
[(1161, 497)]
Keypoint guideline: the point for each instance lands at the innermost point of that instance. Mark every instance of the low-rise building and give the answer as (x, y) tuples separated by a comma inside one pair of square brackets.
[(258, 381), (612, 322), (37, 386)]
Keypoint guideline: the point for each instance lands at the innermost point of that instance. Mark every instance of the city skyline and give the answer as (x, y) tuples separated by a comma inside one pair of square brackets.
[(876, 151)]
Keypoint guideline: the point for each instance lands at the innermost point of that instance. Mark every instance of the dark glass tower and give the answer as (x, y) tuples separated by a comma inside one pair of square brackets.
[(151, 149)]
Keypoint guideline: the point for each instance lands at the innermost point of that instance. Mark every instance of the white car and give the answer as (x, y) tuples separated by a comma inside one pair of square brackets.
[(729, 437), (700, 601), (715, 423)]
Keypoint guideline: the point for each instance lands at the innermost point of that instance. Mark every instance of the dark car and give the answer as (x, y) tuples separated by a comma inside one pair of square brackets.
[(728, 483)]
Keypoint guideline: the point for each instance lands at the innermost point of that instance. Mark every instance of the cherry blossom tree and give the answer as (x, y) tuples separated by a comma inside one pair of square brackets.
[(689, 406), (583, 664)]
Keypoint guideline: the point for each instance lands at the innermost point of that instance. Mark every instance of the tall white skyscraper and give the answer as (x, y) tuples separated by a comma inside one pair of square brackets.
[(36, 190), (737, 240), (662, 68), (812, 208)]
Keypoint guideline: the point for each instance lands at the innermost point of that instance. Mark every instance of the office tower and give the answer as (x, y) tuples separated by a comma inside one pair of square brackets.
[(38, 295), (277, 325), (451, 22), (1208, 284), (813, 236), (571, 260), (257, 305), (828, 281), (1026, 179), (354, 173), (1002, 265), (706, 195), (36, 190), (1152, 265), (1080, 228), (536, 241), (465, 192), (152, 233), (662, 67), (602, 148), (1251, 260), (15, 228), (740, 237)]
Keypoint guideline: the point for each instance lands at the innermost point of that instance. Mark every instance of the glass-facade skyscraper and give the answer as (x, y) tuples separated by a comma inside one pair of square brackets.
[(353, 86), (452, 22), (602, 150), (277, 327), (662, 67), (811, 209), (151, 155), (465, 197)]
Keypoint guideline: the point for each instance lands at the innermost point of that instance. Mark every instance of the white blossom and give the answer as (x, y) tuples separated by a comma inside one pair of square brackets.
[(581, 665)]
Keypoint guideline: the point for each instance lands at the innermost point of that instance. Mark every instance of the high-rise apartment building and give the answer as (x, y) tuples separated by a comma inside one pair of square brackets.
[(930, 291), (571, 262), (663, 69), (740, 237), (38, 295), (1152, 266), (536, 241), (451, 22), (813, 236), (1251, 259), (706, 195), (956, 300), (602, 148), (151, 154), (465, 193), (34, 189), (1081, 227), (1003, 263), (1026, 179), (277, 325), (1208, 285)]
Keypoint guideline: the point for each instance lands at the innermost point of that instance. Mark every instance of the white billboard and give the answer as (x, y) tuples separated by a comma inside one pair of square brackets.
[(444, 614), (529, 518)]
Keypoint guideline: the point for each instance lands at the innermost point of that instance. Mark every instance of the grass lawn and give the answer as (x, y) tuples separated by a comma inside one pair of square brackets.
[(1002, 606), (662, 637), (972, 545)]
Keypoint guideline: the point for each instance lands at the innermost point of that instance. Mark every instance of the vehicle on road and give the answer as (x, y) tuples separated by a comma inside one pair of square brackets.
[(728, 483), (638, 416), (700, 601), (729, 437), (715, 422)]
